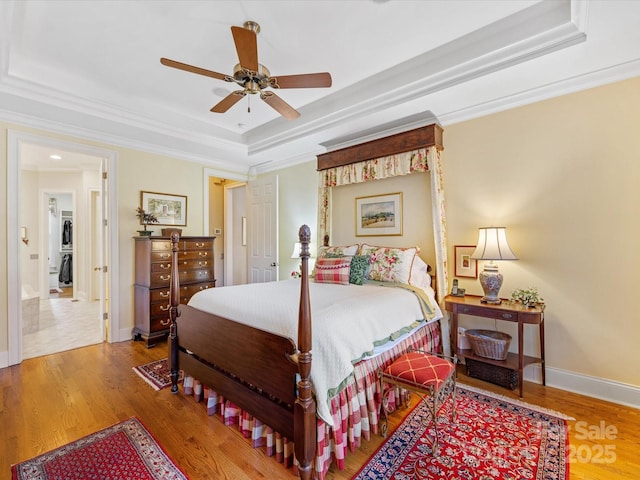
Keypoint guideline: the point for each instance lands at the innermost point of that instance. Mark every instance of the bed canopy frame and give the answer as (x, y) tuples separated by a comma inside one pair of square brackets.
[(262, 371), (404, 153)]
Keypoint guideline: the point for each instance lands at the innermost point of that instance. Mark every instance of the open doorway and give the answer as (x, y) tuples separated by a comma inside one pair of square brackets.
[(225, 208), (82, 171)]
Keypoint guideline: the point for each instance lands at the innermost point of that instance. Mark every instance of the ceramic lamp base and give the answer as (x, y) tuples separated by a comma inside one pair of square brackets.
[(491, 281)]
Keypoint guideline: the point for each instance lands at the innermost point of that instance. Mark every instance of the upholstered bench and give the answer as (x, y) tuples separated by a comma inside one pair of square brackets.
[(431, 376)]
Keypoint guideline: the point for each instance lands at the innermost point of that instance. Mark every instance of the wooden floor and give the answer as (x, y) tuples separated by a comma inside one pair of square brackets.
[(48, 401)]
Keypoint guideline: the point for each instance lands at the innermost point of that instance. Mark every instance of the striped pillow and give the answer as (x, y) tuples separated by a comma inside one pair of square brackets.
[(333, 270)]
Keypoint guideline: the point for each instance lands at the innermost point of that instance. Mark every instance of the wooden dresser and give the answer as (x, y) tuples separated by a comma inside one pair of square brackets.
[(152, 278)]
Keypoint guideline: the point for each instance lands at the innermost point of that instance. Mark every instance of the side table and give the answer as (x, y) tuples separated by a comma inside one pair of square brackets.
[(508, 312)]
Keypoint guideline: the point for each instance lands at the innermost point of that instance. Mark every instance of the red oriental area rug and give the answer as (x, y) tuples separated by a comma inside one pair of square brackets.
[(157, 373), (492, 437), (124, 451)]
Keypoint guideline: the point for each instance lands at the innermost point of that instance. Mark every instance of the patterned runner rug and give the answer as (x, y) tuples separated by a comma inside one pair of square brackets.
[(493, 437), (125, 450), (156, 373)]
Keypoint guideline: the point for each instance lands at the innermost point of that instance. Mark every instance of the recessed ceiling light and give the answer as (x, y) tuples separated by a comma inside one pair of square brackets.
[(55, 157)]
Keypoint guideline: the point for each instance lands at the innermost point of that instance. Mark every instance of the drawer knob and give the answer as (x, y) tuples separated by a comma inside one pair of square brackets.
[(166, 322), (465, 309), (200, 245), (165, 266), (203, 264), (164, 294), (165, 277), (203, 254), (507, 315), (164, 308), (165, 255)]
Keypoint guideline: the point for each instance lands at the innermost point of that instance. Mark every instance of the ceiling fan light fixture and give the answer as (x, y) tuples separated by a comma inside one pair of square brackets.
[(253, 77)]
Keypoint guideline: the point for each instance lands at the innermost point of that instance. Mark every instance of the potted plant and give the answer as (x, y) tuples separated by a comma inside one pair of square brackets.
[(527, 297), (145, 219)]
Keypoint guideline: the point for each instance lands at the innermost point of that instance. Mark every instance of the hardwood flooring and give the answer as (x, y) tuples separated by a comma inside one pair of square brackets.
[(48, 401)]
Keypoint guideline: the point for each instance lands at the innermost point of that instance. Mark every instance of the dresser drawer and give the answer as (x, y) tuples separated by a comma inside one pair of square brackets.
[(486, 312), (161, 256), (160, 323), (161, 246), (198, 244), (160, 309), (161, 267), (196, 255), (193, 276), (160, 279), (188, 291), (194, 264), (160, 295)]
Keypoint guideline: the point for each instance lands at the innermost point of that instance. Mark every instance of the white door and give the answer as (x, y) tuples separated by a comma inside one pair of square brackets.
[(262, 229), (99, 253)]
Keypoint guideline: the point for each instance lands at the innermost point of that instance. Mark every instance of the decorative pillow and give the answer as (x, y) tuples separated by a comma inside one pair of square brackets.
[(343, 251), (336, 251), (420, 273), (333, 270), (359, 269), (389, 264)]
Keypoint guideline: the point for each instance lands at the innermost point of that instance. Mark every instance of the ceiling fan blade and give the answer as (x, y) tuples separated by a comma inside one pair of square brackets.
[(282, 107), (229, 101), (247, 47), (190, 68), (308, 80)]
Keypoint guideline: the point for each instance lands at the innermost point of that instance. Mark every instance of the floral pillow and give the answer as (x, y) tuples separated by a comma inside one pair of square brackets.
[(333, 270), (389, 264), (342, 251)]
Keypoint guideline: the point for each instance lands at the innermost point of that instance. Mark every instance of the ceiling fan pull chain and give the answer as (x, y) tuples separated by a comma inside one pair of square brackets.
[(249, 104)]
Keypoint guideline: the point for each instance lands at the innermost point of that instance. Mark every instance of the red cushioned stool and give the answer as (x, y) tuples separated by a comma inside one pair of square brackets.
[(431, 376)]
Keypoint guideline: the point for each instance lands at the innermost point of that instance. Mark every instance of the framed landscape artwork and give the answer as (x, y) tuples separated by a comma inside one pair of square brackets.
[(170, 209), (379, 215)]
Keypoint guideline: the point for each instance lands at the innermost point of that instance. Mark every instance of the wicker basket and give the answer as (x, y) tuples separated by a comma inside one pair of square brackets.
[(489, 343)]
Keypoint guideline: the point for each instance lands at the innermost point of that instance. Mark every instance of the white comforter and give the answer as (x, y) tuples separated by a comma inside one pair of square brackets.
[(348, 321)]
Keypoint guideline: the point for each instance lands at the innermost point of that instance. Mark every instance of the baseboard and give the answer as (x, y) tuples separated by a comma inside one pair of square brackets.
[(4, 359), (124, 334), (601, 388)]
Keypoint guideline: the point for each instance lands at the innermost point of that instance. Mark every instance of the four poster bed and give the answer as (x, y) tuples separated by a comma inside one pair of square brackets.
[(236, 344)]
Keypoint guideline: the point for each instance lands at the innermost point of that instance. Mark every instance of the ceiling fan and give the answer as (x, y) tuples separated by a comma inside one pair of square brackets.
[(253, 77)]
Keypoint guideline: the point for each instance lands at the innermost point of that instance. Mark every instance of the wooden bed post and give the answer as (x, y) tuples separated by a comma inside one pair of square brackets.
[(174, 301), (305, 406)]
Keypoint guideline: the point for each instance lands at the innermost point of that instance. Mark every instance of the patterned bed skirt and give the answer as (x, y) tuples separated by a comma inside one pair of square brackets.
[(355, 409)]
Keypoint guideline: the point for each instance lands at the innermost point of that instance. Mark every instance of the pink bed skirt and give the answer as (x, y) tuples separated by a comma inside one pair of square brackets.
[(355, 409)]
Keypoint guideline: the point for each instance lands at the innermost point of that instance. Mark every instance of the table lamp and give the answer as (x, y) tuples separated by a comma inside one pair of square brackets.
[(492, 245)]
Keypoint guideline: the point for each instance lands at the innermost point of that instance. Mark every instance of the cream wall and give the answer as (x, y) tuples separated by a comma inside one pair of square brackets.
[(417, 225), (562, 175)]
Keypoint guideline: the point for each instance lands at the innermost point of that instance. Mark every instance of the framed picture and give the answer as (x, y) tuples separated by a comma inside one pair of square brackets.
[(170, 209), (465, 265), (379, 215)]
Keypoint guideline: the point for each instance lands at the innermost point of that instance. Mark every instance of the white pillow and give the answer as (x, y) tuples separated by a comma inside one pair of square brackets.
[(420, 273)]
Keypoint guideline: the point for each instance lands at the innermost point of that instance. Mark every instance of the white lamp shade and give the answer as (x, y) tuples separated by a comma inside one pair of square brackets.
[(493, 245), (297, 249)]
